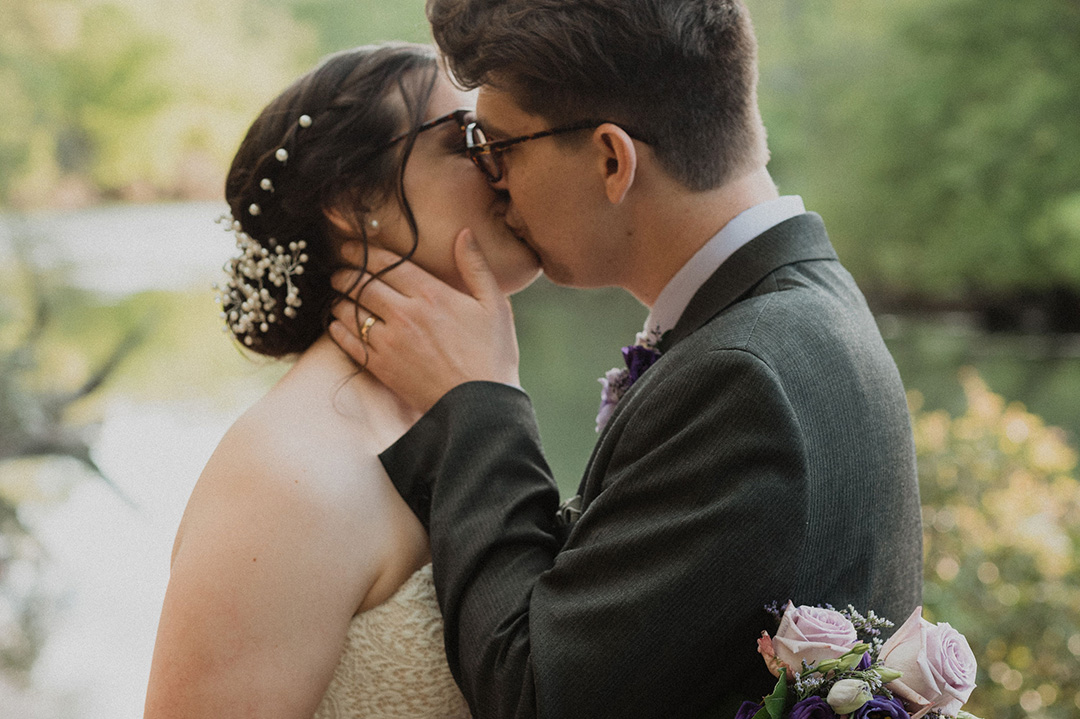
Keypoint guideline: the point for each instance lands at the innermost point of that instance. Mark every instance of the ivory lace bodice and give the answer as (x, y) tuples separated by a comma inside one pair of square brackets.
[(394, 663)]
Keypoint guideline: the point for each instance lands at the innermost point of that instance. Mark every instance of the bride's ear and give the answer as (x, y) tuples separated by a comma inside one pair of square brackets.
[(343, 222)]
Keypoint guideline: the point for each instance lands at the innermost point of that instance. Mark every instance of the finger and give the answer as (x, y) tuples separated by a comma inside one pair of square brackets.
[(374, 259), (348, 282), (411, 280), (474, 267), (369, 258), (350, 343), (351, 315), (379, 298)]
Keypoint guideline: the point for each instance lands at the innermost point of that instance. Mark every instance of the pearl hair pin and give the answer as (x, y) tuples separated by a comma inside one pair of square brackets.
[(247, 306)]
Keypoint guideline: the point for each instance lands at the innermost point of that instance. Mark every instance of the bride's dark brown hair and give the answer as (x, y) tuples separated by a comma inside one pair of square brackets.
[(358, 101)]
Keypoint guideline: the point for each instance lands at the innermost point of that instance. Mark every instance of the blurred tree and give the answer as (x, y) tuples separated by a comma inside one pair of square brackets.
[(341, 24), (79, 81), (939, 138), (986, 146), (134, 99), (34, 426), (1001, 517)]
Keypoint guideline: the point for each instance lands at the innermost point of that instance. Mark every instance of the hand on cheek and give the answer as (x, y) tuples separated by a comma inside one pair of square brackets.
[(429, 337)]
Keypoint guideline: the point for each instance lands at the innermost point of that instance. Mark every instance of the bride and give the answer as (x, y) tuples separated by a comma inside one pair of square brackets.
[(300, 581)]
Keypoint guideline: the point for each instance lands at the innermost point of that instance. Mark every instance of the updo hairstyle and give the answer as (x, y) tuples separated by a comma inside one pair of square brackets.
[(335, 125)]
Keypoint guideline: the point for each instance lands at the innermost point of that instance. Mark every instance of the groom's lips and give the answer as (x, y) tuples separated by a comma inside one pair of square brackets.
[(520, 237), (518, 234)]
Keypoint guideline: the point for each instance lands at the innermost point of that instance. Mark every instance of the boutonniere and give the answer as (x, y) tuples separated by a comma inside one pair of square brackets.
[(638, 357)]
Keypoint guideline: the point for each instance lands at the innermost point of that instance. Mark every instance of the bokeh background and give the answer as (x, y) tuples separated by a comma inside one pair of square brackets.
[(940, 139)]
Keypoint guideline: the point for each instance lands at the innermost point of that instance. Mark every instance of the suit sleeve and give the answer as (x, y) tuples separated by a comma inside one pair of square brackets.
[(652, 605)]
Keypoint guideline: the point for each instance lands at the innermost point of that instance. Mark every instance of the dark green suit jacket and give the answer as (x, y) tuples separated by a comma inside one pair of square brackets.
[(766, 456)]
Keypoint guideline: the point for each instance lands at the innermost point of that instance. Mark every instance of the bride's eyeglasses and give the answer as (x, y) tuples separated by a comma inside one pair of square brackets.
[(488, 155), (460, 117)]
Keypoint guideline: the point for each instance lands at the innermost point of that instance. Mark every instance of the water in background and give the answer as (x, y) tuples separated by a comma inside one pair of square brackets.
[(110, 560)]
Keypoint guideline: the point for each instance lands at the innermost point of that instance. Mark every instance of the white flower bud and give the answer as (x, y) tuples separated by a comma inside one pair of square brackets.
[(848, 695)]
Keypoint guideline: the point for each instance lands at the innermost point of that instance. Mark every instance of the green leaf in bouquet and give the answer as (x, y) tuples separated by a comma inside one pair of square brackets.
[(775, 703)]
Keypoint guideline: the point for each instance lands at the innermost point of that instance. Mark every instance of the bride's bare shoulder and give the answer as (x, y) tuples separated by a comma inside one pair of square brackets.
[(297, 468)]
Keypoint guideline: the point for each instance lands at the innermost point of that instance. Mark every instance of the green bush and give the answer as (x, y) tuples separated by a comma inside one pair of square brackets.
[(1001, 523)]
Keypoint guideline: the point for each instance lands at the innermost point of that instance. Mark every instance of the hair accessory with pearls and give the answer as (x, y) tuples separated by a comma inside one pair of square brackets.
[(247, 301), (247, 305)]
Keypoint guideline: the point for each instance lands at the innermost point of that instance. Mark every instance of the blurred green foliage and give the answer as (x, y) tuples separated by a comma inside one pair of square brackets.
[(1001, 519), (41, 394), (938, 138), (148, 99)]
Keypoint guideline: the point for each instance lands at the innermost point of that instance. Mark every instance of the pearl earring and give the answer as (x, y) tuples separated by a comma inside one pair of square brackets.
[(374, 225)]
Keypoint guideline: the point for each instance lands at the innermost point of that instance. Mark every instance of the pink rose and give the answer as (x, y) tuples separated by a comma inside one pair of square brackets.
[(812, 635), (937, 664)]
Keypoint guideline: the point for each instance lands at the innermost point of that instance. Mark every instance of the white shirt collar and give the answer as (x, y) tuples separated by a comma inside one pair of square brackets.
[(743, 228)]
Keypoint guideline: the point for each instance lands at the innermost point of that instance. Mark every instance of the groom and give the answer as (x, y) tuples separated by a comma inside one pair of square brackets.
[(765, 456)]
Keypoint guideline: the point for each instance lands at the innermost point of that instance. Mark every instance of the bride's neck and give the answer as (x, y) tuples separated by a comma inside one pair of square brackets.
[(354, 389)]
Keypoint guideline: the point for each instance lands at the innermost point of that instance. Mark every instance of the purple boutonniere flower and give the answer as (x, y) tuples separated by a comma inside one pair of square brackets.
[(616, 381), (638, 359), (613, 386)]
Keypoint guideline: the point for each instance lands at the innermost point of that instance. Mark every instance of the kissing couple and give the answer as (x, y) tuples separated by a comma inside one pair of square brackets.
[(380, 535)]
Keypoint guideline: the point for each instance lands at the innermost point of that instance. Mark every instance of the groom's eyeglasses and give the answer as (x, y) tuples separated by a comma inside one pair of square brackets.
[(488, 155)]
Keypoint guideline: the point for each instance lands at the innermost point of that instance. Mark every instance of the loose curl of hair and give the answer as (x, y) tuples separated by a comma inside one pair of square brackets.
[(341, 160)]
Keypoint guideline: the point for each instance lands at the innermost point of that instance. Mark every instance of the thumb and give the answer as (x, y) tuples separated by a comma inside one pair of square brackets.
[(474, 268)]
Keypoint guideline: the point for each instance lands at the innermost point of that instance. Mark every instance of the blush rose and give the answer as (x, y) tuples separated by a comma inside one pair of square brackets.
[(812, 635), (938, 665)]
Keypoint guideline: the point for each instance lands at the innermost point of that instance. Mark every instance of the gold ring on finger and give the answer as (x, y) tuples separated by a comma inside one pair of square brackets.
[(365, 328)]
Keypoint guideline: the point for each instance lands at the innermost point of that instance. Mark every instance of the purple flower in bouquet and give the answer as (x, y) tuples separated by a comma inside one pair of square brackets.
[(812, 708), (881, 708), (747, 710)]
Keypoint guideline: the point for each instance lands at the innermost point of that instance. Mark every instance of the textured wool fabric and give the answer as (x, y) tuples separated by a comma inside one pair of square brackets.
[(766, 456)]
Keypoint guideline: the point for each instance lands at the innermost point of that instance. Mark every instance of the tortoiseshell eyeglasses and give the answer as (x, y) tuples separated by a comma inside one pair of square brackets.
[(488, 155)]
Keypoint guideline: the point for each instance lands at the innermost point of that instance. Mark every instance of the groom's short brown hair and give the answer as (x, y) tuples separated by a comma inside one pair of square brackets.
[(682, 73)]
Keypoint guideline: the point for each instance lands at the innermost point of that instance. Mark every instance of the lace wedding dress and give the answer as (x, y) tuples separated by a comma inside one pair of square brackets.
[(394, 663)]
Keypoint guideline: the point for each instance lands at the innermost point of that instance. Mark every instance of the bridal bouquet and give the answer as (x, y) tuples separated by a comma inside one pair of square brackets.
[(834, 664)]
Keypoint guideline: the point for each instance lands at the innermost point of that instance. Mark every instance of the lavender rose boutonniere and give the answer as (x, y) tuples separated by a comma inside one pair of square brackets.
[(617, 380)]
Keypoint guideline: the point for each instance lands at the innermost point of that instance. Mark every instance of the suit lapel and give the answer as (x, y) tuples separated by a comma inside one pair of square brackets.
[(799, 239)]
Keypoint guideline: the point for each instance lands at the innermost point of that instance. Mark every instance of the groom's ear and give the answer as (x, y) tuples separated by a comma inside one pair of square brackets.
[(619, 159)]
